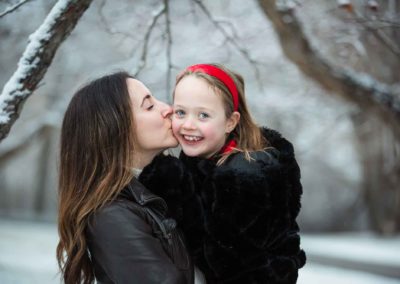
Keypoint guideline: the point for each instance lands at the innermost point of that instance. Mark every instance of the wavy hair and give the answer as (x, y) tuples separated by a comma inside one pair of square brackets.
[(97, 149)]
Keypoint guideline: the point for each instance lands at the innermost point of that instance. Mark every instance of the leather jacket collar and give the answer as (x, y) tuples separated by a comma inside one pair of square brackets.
[(137, 192)]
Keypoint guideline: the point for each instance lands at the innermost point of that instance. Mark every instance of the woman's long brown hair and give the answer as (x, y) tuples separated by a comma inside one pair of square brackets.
[(96, 154)]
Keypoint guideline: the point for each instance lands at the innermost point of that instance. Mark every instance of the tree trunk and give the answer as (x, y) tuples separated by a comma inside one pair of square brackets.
[(379, 104), (380, 156), (361, 89), (45, 155)]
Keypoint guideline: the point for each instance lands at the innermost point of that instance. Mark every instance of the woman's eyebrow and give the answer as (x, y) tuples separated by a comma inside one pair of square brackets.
[(148, 96)]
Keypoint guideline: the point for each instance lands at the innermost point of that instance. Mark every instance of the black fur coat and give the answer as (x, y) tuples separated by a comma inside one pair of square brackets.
[(239, 218)]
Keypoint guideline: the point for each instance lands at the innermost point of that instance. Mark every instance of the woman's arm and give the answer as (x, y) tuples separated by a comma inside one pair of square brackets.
[(123, 245)]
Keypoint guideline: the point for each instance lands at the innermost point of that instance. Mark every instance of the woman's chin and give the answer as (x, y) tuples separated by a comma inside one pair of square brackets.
[(173, 142)]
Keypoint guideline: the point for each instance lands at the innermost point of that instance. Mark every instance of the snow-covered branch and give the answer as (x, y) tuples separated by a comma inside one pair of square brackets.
[(363, 90), (36, 59), (13, 8)]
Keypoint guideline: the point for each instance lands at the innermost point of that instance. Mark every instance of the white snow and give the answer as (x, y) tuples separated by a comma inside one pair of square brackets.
[(316, 274), (358, 247), (14, 88), (27, 255), (343, 2)]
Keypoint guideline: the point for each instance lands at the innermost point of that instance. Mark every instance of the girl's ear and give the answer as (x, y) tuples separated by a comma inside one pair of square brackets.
[(232, 122)]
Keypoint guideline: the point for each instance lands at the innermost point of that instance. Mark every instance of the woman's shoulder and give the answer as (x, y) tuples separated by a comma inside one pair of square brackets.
[(115, 209), (117, 216)]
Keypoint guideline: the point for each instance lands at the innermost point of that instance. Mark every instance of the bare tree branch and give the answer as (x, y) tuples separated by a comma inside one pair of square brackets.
[(31, 130), (13, 8), (169, 46), (360, 89), (36, 59), (386, 40), (231, 39), (106, 25), (143, 58), (375, 27)]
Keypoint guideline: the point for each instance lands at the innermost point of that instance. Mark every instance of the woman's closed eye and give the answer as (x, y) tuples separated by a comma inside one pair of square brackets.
[(148, 103)]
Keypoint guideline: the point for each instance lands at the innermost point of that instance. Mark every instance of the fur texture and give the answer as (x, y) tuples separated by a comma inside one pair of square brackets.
[(239, 217)]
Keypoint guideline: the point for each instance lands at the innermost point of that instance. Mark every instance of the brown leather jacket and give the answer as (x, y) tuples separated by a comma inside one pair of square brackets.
[(132, 241)]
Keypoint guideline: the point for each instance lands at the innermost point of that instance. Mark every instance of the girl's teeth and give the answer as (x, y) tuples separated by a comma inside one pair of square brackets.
[(192, 138)]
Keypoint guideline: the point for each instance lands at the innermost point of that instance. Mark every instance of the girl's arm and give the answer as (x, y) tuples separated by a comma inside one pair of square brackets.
[(251, 229)]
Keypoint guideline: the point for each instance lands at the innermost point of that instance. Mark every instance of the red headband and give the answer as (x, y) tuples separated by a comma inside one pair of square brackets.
[(220, 75)]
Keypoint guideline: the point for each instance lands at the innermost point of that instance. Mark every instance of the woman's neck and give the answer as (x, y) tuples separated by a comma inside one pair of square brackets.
[(143, 159)]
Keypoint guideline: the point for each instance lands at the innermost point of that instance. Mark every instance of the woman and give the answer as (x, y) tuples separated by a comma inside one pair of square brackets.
[(111, 226)]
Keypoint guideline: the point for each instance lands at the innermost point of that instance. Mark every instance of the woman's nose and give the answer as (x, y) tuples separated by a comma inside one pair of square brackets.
[(166, 110)]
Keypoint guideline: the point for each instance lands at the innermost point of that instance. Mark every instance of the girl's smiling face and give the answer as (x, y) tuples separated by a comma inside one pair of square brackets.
[(199, 121)]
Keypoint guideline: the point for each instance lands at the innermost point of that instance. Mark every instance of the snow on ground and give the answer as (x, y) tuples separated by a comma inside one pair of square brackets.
[(27, 255), (316, 274), (356, 247), (27, 252)]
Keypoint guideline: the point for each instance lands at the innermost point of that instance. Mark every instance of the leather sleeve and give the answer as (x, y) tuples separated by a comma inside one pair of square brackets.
[(122, 245)]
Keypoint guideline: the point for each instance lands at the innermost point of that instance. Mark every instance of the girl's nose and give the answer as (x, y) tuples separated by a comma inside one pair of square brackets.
[(188, 124)]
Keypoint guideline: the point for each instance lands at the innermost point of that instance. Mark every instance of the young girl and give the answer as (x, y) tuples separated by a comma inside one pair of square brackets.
[(240, 221)]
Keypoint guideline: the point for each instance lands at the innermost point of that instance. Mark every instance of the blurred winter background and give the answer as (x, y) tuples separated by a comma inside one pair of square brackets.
[(347, 145)]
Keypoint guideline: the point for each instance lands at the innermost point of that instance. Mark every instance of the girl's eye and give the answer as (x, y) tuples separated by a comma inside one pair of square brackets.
[(203, 115), (150, 107), (179, 113)]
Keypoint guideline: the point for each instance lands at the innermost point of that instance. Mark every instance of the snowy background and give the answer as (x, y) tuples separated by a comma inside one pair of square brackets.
[(28, 256), (110, 36)]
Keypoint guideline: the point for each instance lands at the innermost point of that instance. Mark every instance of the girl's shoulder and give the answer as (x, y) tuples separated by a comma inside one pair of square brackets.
[(280, 152), (255, 161)]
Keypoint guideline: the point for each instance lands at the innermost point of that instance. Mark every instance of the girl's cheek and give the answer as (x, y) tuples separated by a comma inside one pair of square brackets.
[(175, 126)]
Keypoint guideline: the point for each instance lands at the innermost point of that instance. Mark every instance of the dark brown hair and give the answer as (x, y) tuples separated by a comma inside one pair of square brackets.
[(247, 133), (96, 154)]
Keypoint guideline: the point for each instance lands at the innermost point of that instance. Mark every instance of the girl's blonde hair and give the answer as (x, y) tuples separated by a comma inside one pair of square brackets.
[(247, 133)]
